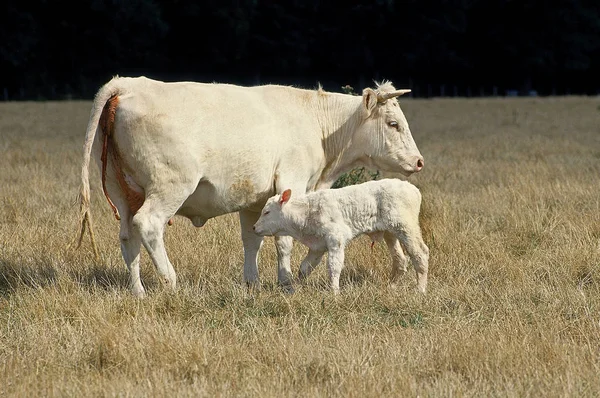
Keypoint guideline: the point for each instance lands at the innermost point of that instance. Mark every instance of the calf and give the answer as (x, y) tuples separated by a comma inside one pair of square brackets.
[(326, 220)]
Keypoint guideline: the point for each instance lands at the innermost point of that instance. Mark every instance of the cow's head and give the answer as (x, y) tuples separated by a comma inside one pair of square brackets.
[(384, 133), (272, 218)]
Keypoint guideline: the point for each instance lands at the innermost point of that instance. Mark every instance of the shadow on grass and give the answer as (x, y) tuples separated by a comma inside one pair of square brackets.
[(100, 276), (112, 278), (14, 276)]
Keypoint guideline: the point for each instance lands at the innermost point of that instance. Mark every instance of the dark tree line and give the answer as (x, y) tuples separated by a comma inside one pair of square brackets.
[(60, 49)]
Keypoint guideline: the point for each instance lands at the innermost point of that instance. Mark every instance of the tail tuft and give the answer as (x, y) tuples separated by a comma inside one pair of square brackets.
[(85, 219)]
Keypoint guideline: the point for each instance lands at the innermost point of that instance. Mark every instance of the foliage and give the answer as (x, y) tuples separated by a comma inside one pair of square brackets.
[(355, 176), (359, 174)]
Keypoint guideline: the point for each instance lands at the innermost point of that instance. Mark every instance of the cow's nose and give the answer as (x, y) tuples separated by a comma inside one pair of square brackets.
[(420, 164)]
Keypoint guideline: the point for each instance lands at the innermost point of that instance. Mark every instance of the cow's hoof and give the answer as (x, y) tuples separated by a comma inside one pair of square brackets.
[(253, 288)]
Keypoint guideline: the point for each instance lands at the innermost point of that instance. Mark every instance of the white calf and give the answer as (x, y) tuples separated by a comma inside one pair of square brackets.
[(326, 220)]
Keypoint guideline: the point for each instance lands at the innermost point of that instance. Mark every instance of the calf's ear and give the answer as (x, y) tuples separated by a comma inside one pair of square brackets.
[(285, 196)]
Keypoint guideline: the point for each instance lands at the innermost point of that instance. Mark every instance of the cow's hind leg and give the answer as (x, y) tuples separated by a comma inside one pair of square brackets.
[(150, 222), (129, 237), (399, 260), (252, 244), (131, 243)]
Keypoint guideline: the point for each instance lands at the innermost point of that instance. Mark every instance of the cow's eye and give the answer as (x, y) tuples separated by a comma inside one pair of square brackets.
[(266, 212), (393, 124)]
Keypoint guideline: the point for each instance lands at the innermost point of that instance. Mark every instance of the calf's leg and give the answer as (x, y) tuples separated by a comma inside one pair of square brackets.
[(335, 263), (417, 251), (312, 259), (399, 260), (284, 246)]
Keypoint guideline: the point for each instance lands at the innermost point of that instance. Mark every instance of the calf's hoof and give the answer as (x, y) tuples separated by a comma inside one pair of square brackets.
[(170, 283), (138, 293)]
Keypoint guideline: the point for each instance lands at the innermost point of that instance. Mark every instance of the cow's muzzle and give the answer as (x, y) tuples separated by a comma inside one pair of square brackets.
[(420, 164)]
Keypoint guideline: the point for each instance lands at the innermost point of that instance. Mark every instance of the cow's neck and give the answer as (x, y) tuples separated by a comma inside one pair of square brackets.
[(339, 116)]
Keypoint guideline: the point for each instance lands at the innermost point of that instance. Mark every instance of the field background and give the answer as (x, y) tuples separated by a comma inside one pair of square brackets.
[(511, 213)]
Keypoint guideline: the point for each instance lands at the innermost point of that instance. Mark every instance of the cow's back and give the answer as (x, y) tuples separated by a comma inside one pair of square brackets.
[(225, 106)]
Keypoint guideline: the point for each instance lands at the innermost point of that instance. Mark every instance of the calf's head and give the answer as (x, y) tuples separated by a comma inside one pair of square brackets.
[(272, 217), (384, 134)]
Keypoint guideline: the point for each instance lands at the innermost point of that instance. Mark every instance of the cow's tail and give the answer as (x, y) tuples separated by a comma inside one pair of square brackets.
[(108, 91)]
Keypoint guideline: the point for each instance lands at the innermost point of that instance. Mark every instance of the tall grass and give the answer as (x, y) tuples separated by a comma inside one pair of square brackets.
[(511, 213)]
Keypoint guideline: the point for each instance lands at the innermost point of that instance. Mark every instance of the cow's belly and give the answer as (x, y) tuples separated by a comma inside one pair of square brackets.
[(210, 200)]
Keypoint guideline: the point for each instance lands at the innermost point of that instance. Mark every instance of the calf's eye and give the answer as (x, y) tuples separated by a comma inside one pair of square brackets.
[(393, 124), (266, 212)]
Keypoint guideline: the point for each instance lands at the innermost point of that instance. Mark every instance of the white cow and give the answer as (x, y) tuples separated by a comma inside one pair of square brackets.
[(327, 220), (202, 150)]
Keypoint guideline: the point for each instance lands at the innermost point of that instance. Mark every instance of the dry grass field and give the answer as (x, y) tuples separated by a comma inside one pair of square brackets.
[(511, 213)]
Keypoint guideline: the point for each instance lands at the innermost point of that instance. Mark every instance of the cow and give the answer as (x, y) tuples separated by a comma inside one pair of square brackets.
[(328, 219), (200, 150)]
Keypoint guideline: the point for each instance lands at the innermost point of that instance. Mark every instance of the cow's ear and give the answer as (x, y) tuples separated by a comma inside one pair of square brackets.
[(285, 196), (369, 99)]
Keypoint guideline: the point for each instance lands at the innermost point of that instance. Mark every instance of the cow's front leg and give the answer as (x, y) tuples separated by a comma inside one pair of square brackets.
[(252, 244), (284, 245)]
